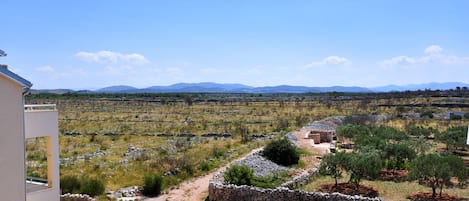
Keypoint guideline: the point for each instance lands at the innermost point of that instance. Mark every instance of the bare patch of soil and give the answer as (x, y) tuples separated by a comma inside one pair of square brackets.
[(349, 189), (423, 196), (393, 175)]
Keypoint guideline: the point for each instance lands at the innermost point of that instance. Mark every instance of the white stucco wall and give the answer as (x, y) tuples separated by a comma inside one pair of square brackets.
[(12, 157), (39, 123)]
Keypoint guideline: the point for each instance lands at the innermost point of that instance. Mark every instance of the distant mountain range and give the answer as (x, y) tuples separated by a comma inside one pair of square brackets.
[(210, 87)]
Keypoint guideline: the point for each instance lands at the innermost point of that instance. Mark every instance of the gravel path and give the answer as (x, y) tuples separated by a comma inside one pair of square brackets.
[(194, 189)]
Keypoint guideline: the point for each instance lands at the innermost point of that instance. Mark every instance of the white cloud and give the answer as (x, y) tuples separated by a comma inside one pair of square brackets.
[(330, 60), (433, 49), (399, 60), (108, 57), (335, 60), (433, 54), (46, 69)]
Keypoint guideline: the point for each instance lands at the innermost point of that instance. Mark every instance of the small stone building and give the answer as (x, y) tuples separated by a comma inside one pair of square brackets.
[(320, 136)]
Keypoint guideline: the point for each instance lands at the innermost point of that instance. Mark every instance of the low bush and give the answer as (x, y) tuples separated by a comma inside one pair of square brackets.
[(270, 181), (205, 166), (239, 175), (92, 187), (282, 152), (70, 184), (153, 185), (455, 117)]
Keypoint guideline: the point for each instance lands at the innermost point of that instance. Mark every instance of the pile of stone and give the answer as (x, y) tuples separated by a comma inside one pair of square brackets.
[(173, 171), (84, 157), (322, 125), (128, 193), (261, 166), (134, 152), (76, 197), (291, 137)]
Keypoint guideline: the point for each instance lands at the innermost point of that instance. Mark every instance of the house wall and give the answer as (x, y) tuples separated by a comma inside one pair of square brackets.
[(12, 148), (45, 124)]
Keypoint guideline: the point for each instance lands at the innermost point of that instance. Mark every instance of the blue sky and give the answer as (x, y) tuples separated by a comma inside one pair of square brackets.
[(92, 44)]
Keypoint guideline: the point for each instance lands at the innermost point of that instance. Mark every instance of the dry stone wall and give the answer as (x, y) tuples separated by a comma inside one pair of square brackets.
[(219, 191), (76, 197)]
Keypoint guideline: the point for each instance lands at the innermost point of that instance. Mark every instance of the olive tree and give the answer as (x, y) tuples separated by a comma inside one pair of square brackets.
[(453, 137), (436, 170), (350, 130), (334, 165), (396, 154), (367, 164)]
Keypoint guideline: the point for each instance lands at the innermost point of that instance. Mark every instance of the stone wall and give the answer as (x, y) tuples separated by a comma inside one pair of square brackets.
[(219, 191), (76, 197), (300, 180)]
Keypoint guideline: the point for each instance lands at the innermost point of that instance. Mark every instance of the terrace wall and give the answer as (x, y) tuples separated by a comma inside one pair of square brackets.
[(219, 191)]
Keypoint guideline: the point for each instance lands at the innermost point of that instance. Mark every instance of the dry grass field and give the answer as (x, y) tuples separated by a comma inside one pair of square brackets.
[(119, 139)]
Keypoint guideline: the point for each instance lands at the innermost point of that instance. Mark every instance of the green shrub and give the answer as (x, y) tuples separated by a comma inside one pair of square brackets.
[(270, 181), (153, 185), (455, 117), (69, 184), (239, 175), (92, 187), (205, 166), (282, 152), (427, 113)]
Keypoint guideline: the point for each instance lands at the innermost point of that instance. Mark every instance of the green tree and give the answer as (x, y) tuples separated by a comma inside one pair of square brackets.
[(239, 175), (282, 152), (388, 133), (364, 165), (334, 165), (368, 142), (421, 145), (436, 170), (453, 137), (397, 154), (351, 131), (419, 131)]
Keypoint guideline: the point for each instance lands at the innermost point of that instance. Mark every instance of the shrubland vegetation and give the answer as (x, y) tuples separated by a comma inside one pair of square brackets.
[(378, 150), (166, 131), (153, 185), (282, 151), (239, 175)]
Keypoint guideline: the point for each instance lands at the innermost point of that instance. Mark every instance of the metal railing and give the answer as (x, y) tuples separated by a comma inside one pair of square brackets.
[(41, 107), (36, 180)]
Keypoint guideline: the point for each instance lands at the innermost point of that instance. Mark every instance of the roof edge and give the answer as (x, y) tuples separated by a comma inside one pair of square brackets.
[(16, 78)]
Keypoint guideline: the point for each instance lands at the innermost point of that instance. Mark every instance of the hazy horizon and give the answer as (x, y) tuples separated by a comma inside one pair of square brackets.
[(144, 87), (91, 45)]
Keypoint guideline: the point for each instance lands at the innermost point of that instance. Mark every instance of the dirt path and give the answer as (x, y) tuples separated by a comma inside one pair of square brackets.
[(194, 189)]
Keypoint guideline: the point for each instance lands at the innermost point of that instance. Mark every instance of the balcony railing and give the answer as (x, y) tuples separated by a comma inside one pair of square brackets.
[(42, 107), (36, 184)]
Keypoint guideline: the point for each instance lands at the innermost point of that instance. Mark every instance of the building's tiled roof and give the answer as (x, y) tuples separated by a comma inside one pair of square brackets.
[(18, 79)]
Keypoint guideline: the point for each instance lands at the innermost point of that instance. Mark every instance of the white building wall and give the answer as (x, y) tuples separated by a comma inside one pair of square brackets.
[(44, 123), (12, 147)]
